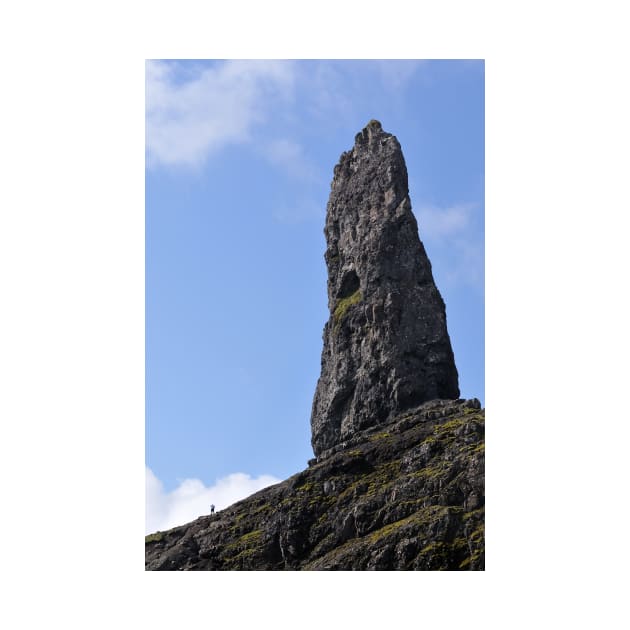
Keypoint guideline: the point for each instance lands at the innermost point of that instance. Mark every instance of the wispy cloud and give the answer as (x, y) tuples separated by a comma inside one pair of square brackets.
[(453, 235), (190, 117), (192, 498), (438, 223), (194, 110)]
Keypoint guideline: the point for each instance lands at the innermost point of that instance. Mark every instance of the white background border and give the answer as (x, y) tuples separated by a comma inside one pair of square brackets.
[(72, 324)]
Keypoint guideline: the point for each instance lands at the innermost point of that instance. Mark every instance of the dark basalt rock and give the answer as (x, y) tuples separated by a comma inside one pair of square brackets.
[(386, 346), (408, 498), (398, 477)]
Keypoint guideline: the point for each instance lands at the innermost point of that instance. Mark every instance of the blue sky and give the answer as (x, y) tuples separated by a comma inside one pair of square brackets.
[(239, 159)]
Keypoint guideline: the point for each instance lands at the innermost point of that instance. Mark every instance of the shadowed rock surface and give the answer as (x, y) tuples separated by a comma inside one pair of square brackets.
[(406, 498), (386, 346), (398, 478)]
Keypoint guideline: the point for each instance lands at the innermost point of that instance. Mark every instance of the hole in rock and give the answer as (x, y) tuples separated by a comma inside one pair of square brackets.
[(349, 284)]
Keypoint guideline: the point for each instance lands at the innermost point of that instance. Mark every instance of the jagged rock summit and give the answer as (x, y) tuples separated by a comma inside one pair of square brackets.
[(386, 345)]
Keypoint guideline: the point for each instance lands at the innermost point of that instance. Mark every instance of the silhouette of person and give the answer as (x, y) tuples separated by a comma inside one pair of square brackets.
[(212, 509)]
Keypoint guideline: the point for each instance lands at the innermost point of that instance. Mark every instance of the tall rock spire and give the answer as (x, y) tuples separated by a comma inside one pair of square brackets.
[(386, 346)]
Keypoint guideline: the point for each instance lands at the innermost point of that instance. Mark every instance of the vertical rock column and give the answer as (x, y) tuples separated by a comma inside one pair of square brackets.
[(386, 346)]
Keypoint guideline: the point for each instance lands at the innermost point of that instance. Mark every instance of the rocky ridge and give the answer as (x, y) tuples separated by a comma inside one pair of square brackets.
[(406, 498)]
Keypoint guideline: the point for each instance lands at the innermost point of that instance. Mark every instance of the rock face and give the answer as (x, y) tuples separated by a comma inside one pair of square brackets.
[(386, 346), (398, 478), (407, 498)]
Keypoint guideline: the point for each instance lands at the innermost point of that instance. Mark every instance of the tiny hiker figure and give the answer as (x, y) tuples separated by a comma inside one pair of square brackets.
[(212, 509)]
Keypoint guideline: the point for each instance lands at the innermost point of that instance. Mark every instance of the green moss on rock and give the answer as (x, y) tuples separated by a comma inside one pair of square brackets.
[(307, 487), (251, 537), (344, 304), (379, 436), (153, 537)]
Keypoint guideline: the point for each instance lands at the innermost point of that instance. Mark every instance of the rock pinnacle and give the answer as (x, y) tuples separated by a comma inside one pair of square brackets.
[(386, 345)]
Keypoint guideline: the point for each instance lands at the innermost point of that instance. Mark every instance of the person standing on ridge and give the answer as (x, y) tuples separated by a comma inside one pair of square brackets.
[(212, 509)]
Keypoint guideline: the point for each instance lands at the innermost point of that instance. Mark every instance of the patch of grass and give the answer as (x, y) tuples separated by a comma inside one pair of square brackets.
[(250, 537), (307, 487), (389, 469), (246, 553), (451, 425), (476, 512), (321, 500), (379, 436), (265, 507), (477, 535), (344, 304), (442, 551), (336, 555), (428, 472), (376, 481), (424, 516), (388, 529), (382, 478), (360, 486), (322, 519), (153, 537)]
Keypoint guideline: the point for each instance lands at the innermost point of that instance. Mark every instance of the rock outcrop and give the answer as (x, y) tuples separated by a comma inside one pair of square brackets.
[(398, 477), (386, 346), (406, 498)]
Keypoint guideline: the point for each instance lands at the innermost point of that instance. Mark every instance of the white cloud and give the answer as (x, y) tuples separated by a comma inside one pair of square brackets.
[(194, 110), (192, 498), (190, 117), (439, 223)]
